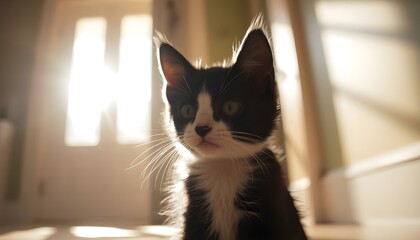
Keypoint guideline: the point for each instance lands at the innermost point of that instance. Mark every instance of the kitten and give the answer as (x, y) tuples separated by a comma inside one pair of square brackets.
[(224, 116)]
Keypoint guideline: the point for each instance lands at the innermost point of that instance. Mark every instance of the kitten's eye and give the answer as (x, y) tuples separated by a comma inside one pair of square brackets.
[(187, 111), (230, 108)]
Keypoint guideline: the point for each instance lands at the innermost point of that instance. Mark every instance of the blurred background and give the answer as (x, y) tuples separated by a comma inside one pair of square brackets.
[(80, 98)]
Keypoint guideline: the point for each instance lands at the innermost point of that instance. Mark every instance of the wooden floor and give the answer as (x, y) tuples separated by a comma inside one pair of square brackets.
[(127, 232)]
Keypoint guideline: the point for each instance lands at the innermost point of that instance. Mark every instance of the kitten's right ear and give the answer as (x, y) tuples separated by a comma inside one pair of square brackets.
[(173, 65)]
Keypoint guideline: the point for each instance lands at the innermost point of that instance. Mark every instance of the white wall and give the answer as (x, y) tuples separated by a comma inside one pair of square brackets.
[(365, 57), (351, 109)]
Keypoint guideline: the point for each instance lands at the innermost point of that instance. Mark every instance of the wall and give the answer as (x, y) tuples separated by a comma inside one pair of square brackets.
[(227, 22), (350, 100), (365, 58), (19, 20)]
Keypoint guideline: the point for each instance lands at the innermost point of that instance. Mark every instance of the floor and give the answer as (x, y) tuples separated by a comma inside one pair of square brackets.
[(69, 232), (127, 232)]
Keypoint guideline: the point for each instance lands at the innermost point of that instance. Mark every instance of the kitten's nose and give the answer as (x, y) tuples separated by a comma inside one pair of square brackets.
[(202, 130)]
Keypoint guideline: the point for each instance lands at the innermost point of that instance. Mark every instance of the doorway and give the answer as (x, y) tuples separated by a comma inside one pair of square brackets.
[(93, 110)]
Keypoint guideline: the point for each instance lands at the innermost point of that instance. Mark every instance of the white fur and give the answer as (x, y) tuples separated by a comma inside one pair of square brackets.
[(222, 179), (221, 165)]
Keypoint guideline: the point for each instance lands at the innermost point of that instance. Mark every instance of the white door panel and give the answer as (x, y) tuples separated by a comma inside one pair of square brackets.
[(87, 182)]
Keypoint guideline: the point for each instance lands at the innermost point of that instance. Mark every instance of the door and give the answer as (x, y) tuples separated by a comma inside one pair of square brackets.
[(96, 110)]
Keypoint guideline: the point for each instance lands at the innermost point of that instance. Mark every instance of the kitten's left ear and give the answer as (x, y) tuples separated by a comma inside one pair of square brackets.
[(256, 60), (174, 66)]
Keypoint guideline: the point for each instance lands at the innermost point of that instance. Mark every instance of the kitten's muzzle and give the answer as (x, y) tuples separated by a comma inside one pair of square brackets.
[(202, 130)]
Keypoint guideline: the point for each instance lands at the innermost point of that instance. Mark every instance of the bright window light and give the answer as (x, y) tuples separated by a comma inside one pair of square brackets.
[(133, 101), (87, 79), (93, 87)]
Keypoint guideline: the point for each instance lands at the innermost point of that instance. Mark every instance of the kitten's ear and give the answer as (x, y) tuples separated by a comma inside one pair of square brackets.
[(255, 59), (173, 65)]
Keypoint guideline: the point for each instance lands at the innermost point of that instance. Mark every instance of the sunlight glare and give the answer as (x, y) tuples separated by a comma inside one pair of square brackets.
[(286, 59), (40, 233), (134, 98), (382, 16), (103, 232), (92, 86), (86, 77)]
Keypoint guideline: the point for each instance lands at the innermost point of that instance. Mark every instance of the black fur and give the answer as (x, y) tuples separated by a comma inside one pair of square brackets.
[(277, 215), (197, 216)]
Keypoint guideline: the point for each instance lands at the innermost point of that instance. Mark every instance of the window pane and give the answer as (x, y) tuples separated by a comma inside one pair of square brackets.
[(86, 99), (134, 81)]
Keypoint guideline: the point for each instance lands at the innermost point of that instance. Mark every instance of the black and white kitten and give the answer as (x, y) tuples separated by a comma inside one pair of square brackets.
[(224, 116)]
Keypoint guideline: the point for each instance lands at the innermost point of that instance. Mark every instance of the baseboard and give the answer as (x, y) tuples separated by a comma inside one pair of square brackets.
[(379, 163), (377, 191)]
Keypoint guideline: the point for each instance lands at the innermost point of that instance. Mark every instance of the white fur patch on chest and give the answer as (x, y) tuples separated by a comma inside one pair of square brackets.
[(222, 180)]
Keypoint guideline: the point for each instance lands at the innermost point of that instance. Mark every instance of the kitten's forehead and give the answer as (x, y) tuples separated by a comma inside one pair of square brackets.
[(204, 102), (209, 80), (204, 115)]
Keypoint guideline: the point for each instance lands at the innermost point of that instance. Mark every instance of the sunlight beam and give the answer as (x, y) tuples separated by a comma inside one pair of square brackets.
[(135, 74), (103, 232), (87, 75)]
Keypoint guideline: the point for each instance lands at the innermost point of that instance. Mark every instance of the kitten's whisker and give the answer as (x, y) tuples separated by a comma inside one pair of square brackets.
[(266, 152), (183, 91), (164, 161), (152, 138), (245, 134), (135, 163), (233, 145), (260, 163), (231, 80), (223, 82), (164, 143), (157, 156), (165, 151), (153, 141), (188, 86), (247, 139), (169, 167), (155, 163), (154, 160)]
